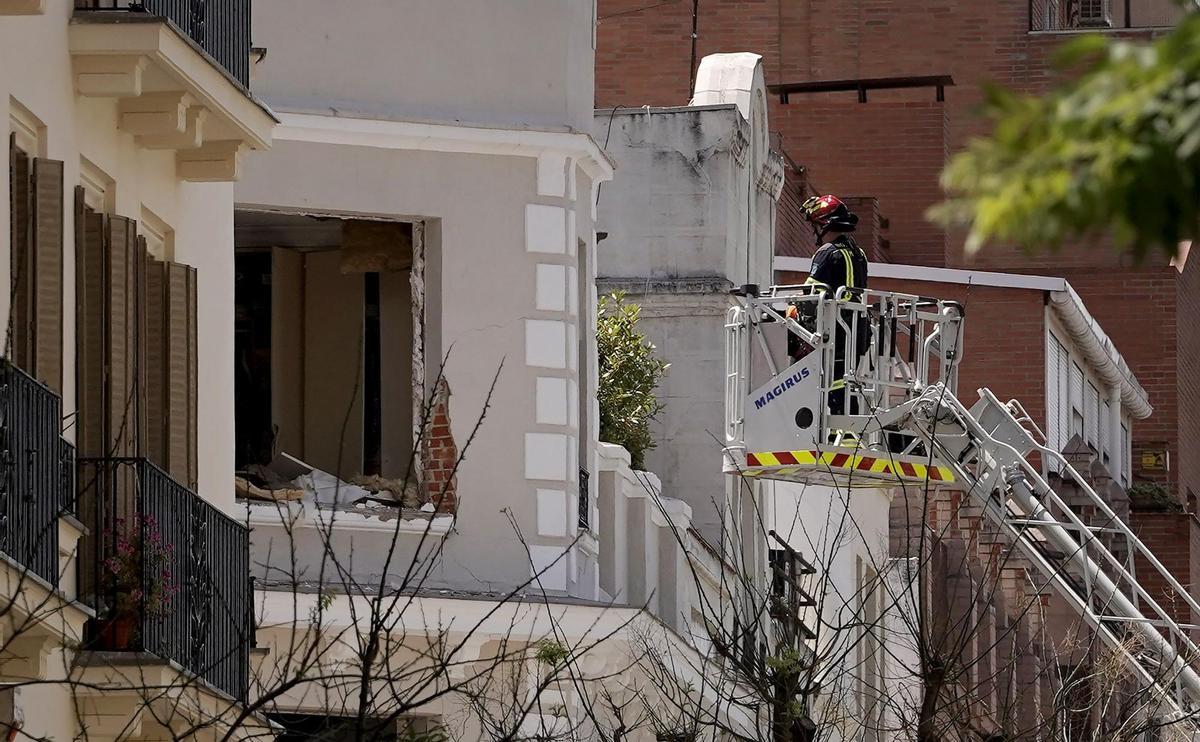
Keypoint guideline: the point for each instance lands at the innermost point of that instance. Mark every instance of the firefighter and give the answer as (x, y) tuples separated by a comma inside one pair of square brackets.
[(838, 262)]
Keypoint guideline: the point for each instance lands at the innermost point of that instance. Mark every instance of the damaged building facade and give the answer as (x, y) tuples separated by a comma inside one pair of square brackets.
[(417, 371)]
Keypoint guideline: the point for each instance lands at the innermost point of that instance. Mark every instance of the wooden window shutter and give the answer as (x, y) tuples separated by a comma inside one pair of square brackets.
[(123, 407), (181, 372), (156, 376), (47, 273), (91, 251), (193, 381), (19, 337)]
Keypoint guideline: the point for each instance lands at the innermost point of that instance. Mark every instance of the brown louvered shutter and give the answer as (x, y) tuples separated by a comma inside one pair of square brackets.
[(193, 456), (155, 375), (181, 372), (20, 336), (122, 405), (47, 273), (90, 310)]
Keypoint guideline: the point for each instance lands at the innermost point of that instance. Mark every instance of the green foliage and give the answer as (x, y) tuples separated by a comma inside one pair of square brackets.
[(629, 375), (550, 652), (1154, 497), (1117, 148)]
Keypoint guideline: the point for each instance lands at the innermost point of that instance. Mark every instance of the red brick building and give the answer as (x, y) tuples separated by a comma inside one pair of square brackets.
[(888, 151)]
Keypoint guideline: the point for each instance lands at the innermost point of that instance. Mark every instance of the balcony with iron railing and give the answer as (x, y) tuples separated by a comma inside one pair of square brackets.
[(1104, 15), (219, 27), (36, 473), (167, 572)]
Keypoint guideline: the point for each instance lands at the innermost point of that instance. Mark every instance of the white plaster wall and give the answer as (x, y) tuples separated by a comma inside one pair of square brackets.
[(492, 233), (677, 206), (512, 63), (832, 529), (37, 75), (685, 220)]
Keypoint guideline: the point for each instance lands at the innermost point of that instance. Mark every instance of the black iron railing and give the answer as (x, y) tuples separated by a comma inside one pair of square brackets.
[(1085, 15), (167, 572), (585, 500), (36, 472), (220, 27)]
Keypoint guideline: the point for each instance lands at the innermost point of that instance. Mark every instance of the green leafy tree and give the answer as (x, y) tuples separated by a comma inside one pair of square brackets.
[(1116, 149), (629, 376)]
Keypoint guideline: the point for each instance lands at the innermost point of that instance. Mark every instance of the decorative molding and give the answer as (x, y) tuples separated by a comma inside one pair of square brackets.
[(644, 286), (109, 59), (446, 137), (770, 178), (739, 147), (212, 162), (22, 7)]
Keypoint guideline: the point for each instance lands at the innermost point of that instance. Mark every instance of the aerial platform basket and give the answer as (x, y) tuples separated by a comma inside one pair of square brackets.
[(779, 423), (894, 358)]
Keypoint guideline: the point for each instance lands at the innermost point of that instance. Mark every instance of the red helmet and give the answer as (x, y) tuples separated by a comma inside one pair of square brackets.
[(828, 212)]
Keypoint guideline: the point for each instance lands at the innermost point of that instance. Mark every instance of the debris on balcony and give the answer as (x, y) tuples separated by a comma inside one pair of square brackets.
[(389, 492), (288, 479)]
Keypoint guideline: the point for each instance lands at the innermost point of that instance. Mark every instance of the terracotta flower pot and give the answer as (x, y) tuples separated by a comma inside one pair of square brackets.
[(117, 632)]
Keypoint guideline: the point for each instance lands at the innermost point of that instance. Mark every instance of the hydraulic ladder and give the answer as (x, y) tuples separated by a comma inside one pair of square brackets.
[(901, 424)]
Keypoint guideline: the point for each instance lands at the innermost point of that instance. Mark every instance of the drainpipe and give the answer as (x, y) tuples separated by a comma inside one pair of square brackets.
[(1116, 454)]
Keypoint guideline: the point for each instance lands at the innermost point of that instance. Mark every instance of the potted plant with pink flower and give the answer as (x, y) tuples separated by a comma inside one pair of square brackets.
[(140, 577)]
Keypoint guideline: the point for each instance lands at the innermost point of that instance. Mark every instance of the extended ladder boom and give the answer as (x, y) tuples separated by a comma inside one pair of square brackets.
[(908, 427), (987, 447)]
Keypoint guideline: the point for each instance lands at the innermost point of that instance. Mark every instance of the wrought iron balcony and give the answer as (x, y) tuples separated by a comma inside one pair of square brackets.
[(1100, 15), (220, 27), (167, 572), (36, 472), (585, 500)]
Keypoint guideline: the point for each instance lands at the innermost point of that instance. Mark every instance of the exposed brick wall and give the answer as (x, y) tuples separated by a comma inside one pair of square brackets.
[(1175, 540), (870, 234), (1187, 374), (439, 454), (894, 146), (793, 235), (890, 151)]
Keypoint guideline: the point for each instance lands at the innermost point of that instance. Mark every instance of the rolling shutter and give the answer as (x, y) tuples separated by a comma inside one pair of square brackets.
[(46, 282), (1106, 429), (1053, 394), (1091, 416), (1076, 407)]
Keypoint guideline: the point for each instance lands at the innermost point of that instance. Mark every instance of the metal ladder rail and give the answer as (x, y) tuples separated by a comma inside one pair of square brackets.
[(1115, 523), (1018, 474)]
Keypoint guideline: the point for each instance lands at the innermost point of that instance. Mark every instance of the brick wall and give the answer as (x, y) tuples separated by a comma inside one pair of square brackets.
[(890, 151), (793, 235), (1187, 374), (1175, 540), (439, 454), (894, 146), (871, 232)]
